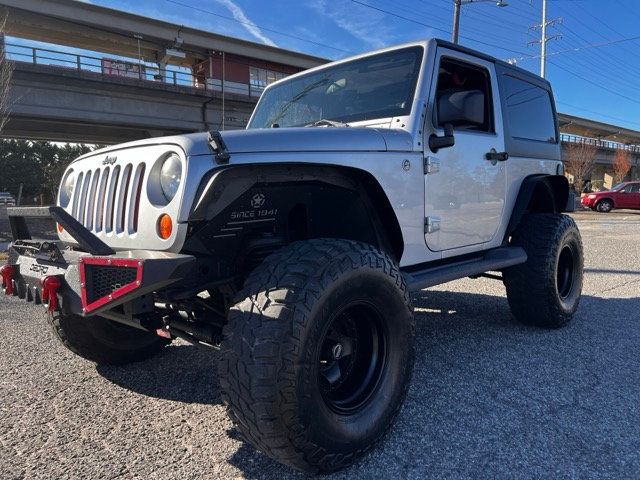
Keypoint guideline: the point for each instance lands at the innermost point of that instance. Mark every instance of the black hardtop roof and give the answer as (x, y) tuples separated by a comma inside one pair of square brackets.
[(521, 72)]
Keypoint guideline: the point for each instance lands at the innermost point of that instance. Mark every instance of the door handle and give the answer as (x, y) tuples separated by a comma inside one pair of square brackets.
[(496, 156)]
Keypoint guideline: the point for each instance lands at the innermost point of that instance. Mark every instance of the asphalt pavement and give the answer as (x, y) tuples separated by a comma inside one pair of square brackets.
[(489, 398)]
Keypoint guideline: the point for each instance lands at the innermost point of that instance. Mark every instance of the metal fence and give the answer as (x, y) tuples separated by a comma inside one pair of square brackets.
[(565, 137), (124, 68)]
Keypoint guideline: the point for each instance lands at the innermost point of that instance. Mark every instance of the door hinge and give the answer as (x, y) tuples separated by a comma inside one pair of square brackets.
[(431, 165), (431, 224)]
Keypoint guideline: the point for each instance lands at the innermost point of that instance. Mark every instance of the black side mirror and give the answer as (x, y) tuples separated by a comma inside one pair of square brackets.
[(445, 141)]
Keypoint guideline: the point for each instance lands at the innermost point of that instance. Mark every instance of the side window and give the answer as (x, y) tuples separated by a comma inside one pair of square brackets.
[(529, 111), (463, 97), (631, 188)]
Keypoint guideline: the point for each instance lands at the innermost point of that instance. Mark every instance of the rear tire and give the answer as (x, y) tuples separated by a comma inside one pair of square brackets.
[(545, 290), (103, 341), (318, 352)]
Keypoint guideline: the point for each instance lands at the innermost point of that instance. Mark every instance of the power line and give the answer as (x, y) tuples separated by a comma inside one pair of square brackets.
[(598, 113), (414, 10), (387, 12), (577, 75), (584, 47), (259, 26)]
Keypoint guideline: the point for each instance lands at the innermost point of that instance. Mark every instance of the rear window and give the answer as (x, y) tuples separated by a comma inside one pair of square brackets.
[(529, 111)]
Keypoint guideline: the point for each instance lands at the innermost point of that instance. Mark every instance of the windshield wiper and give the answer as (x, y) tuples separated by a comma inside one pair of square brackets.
[(327, 123)]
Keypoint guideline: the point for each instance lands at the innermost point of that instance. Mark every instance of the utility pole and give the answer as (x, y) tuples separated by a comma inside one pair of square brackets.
[(543, 42), (544, 38)]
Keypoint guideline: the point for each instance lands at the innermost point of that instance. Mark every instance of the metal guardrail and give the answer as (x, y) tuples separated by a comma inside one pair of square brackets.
[(145, 73), (565, 137)]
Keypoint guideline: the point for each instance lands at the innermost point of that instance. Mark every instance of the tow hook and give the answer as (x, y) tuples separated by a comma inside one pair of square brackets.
[(8, 273), (50, 286)]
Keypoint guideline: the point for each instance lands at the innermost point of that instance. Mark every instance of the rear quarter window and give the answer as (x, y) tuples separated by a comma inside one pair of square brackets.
[(529, 111)]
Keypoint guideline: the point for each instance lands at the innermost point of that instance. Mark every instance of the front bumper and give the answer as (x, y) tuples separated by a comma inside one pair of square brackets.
[(83, 282), (587, 202)]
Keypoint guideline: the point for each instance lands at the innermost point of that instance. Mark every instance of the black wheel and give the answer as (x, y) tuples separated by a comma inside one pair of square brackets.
[(545, 291), (103, 341), (604, 206), (318, 352)]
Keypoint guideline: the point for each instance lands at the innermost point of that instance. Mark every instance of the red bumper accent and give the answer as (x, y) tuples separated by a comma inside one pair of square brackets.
[(8, 273), (89, 305)]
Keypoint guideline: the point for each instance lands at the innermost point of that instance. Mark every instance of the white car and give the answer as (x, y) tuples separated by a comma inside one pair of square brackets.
[(293, 246)]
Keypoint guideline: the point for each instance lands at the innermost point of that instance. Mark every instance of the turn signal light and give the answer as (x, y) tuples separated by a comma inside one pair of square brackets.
[(60, 228), (8, 272), (165, 226)]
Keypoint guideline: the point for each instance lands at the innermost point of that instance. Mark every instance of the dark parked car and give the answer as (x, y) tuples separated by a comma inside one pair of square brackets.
[(623, 195)]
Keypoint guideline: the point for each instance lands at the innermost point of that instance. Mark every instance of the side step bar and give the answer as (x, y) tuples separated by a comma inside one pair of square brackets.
[(496, 259)]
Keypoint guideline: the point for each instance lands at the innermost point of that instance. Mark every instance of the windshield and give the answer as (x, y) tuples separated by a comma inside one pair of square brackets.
[(617, 187), (379, 86)]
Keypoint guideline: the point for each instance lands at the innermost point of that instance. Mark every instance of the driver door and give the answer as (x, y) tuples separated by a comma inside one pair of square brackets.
[(464, 192)]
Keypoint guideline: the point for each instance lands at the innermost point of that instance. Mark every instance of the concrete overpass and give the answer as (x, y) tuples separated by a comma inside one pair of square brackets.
[(51, 103), (92, 27), (57, 95)]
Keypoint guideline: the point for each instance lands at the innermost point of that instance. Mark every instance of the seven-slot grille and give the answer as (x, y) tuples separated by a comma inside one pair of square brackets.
[(107, 199)]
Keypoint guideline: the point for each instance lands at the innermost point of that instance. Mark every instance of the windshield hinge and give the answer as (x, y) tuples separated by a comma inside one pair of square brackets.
[(217, 145)]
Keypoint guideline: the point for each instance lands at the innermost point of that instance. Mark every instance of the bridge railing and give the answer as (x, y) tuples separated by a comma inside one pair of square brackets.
[(124, 68), (565, 137)]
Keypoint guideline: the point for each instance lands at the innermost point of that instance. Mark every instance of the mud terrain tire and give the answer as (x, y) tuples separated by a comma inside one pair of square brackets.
[(309, 307)]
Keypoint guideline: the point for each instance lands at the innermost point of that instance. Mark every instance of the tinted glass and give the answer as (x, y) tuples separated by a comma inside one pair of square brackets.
[(529, 111), (379, 86)]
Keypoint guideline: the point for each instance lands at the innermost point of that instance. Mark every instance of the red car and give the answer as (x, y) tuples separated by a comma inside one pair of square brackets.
[(623, 195)]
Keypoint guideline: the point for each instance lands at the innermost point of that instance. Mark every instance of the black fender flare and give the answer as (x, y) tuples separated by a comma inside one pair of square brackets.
[(220, 187), (543, 193)]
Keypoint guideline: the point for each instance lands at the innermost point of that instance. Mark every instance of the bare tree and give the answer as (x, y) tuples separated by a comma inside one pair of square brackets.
[(580, 160), (6, 70), (621, 165)]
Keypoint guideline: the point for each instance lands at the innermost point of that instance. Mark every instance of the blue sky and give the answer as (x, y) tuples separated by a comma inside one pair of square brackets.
[(593, 66)]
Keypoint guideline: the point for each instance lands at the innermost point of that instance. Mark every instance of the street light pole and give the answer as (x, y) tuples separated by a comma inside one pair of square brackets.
[(457, 6), (456, 20)]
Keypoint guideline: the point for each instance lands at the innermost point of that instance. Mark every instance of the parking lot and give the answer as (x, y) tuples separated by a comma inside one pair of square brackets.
[(489, 398)]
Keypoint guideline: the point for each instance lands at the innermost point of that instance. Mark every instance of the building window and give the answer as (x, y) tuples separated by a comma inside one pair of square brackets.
[(261, 77)]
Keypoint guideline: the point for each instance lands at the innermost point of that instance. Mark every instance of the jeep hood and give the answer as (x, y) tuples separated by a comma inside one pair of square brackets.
[(316, 139), (309, 139)]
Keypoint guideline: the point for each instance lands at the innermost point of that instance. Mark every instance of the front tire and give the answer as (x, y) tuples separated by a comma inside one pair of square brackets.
[(103, 341), (545, 290), (318, 352), (604, 206)]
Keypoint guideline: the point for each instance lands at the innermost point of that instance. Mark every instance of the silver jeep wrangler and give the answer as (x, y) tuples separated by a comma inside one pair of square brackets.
[(293, 246)]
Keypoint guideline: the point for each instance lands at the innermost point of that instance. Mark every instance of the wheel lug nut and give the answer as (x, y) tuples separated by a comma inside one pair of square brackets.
[(336, 351)]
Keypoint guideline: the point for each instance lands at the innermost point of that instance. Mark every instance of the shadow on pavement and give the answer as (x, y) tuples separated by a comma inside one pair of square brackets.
[(182, 373), (489, 398)]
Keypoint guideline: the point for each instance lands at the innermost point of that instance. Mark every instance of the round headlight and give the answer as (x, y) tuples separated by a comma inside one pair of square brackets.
[(170, 176), (66, 188)]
